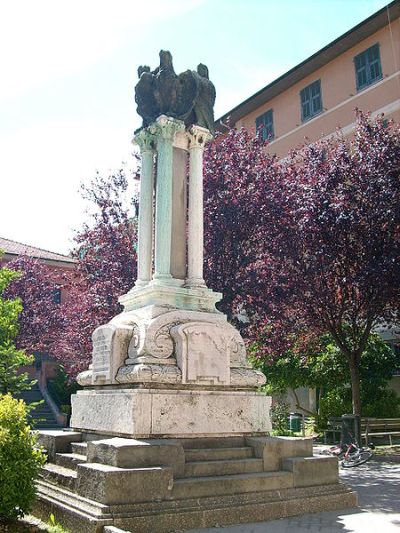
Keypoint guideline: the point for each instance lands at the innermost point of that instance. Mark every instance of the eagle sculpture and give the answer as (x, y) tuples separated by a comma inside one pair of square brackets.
[(189, 96)]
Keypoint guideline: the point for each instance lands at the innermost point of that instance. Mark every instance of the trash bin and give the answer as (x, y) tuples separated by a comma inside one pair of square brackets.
[(351, 430), (295, 421)]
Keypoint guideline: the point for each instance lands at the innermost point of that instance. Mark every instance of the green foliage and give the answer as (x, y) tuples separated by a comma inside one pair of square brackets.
[(279, 417), (379, 402), (325, 367), (335, 402), (61, 388), (55, 527), (11, 359), (309, 426), (20, 459), (384, 403)]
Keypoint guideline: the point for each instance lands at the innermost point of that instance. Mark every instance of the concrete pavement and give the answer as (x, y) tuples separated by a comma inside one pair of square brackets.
[(378, 487)]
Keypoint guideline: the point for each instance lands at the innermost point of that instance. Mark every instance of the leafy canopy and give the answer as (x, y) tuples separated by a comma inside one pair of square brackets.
[(11, 359)]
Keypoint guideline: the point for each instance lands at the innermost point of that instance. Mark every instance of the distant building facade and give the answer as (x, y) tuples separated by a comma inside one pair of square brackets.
[(360, 69), (58, 267)]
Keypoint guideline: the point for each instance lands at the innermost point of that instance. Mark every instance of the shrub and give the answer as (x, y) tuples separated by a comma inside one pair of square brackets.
[(279, 418), (380, 403), (61, 388), (20, 460), (383, 404), (335, 402)]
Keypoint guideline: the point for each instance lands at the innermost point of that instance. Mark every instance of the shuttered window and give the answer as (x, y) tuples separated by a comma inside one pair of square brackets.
[(265, 126), (368, 67), (311, 100)]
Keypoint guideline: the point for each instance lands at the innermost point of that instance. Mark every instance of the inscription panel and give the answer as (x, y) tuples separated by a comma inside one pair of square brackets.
[(102, 339), (202, 353)]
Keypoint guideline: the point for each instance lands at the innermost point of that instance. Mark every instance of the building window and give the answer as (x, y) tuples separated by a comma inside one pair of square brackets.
[(368, 67), (265, 126), (311, 100), (56, 296)]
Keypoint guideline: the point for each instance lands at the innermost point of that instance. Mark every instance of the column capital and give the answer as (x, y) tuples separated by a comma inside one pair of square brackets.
[(166, 128), (198, 137), (145, 140)]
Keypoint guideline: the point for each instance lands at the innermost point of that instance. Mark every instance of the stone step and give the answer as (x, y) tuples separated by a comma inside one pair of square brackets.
[(45, 427), (213, 442), (218, 454), (70, 460), (59, 475), (223, 468), (79, 448), (200, 487)]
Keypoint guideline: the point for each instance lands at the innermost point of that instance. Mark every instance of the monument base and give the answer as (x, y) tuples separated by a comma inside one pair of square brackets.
[(165, 485), (143, 413)]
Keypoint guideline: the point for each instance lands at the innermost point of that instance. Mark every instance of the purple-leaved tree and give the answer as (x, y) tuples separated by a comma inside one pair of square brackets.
[(105, 250), (315, 247)]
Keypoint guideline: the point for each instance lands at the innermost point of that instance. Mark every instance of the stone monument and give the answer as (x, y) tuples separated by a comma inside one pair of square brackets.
[(171, 364), (170, 431)]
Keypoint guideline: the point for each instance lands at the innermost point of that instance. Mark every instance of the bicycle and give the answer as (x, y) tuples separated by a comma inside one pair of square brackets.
[(350, 455)]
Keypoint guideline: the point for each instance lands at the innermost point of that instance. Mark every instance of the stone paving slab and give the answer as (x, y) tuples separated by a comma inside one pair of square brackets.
[(378, 486)]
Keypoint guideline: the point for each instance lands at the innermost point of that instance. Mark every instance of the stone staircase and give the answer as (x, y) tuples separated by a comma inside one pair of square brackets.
[(160, 486), (42, 416), (208, 471)]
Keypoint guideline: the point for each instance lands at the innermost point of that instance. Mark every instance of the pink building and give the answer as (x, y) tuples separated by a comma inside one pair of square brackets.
[(360, 69)]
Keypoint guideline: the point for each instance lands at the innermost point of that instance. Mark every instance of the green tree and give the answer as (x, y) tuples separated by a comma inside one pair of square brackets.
[(323, 366), (11, 359)]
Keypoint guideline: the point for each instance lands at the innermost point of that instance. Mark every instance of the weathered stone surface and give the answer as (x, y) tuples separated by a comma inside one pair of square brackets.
[(202, 353), (131, 453), (182, 346), (309, 471), (142, 413), (112, 529), (56, 441), (150, 373), (225, 467), (273, 450), (112, 485), (219, 454), (82, 515), (231, 484), (175, 297), (110, 349), (246, 377)]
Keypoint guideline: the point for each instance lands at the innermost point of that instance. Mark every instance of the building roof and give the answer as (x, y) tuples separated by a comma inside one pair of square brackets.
[(337, 47), (16, 248)]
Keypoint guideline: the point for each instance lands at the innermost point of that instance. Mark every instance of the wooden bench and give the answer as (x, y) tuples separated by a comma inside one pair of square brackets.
[(370, 427), (380, 427)]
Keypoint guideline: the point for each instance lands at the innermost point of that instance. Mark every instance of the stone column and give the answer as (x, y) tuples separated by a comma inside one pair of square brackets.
[(197, 139), (145, 140), (164, 130)]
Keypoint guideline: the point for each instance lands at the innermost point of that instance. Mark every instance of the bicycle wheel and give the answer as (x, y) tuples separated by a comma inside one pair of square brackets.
[(357, 459)]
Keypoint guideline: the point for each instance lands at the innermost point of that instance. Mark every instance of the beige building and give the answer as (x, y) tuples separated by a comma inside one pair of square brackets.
[(360, 69)]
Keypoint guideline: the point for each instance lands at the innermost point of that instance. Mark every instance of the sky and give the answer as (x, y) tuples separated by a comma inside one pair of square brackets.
[(68, 71)]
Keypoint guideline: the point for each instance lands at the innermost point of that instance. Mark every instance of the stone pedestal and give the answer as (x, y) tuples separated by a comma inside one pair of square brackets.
[(144, 413)]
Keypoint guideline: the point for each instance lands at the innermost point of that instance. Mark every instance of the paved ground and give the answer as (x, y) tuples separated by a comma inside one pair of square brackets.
[(378, 487)]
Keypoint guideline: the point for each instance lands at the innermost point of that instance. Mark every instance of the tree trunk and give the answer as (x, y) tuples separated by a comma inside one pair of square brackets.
[(355, 386)]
